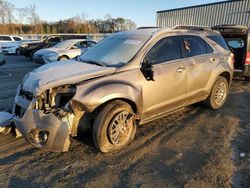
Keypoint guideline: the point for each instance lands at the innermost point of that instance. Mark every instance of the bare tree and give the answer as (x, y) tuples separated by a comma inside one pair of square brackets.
[(22, 14), (6, 12), (33, 17)]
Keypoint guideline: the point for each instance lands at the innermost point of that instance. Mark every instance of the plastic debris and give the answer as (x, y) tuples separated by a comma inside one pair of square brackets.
[(242, 155), (5, 121)]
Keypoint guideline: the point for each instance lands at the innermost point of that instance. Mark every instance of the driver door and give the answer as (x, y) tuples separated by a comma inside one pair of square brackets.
[(168, 90)]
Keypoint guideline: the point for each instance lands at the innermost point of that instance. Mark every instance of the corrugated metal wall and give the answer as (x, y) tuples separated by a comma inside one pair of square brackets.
[(229, 12)]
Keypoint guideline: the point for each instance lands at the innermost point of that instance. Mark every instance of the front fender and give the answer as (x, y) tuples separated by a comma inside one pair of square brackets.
[(97, 95)]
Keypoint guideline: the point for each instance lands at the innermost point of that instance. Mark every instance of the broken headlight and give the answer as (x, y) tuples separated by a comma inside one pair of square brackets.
[(56, 99)]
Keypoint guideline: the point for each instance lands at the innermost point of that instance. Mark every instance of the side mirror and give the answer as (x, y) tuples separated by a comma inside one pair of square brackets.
[(147, 70)]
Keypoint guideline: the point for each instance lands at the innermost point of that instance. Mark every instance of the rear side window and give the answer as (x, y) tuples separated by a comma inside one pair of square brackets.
[(5, 38), (219, 40), (166, 49), (195, 45), (17, 38)]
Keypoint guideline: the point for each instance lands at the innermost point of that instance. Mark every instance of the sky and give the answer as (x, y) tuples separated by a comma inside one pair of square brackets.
[(142, 12)]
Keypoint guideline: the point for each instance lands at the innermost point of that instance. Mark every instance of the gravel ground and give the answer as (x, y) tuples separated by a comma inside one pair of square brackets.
[(196, 147)]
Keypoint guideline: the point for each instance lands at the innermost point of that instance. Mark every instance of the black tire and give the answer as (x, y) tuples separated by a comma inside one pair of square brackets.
[(104, 127), (217, 97), (247, 78), (63, 58)]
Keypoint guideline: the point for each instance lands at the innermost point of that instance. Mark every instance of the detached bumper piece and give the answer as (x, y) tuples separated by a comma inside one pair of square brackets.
[(44, 131)]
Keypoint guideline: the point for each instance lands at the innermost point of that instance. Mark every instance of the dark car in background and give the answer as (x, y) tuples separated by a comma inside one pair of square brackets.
[(29, 48), (238, 39)]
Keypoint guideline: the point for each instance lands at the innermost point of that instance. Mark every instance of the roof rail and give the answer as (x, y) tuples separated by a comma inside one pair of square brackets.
[(231, 26), (193, 27), (147, 27)]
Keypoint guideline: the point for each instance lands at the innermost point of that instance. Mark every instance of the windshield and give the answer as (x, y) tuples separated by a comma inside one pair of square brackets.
[(64, 44), (115, 50)]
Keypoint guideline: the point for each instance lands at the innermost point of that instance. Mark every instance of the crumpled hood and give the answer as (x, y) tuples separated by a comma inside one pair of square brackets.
[(57, 74)]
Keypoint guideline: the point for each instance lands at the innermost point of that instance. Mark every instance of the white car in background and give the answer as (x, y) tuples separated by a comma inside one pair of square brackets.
[(9, 38), (6, 39), (65, 50), (12, 47)]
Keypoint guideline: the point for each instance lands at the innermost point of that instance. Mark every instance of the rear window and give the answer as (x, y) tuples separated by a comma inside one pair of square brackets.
[(219, 40), (5, 38)]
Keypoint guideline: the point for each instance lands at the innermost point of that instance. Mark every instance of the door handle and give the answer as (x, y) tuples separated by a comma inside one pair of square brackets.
[(181, 69), (211, 60)]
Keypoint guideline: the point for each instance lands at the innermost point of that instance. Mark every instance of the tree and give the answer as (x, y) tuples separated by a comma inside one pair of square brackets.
[(129, 25), (6, 12), (119, 23), (33, 17)]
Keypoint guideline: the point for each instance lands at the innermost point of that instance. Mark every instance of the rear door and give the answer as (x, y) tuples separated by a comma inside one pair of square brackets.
[(200, 63)]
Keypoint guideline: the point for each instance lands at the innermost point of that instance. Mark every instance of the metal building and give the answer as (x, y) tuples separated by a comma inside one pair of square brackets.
[(226, 12)]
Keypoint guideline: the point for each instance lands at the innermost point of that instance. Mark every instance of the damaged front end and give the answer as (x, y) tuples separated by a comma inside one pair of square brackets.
[(46, 121)]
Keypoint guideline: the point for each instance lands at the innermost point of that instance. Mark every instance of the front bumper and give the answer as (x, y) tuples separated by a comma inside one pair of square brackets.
[(9, 50), (44, 131)]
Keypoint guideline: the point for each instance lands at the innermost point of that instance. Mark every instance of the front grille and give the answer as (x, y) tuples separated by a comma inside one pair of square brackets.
[(19, 111), (25, 94)]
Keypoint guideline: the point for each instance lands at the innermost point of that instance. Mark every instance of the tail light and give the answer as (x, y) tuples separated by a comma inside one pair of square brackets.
[(247, 59)]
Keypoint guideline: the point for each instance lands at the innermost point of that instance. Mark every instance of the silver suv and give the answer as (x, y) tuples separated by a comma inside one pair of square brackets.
[(128, 78)]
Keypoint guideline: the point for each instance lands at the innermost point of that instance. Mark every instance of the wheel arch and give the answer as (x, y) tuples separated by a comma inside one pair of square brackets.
[(227, 76), (62, 55)]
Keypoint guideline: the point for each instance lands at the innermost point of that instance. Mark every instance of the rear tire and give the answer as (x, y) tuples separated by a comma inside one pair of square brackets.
[(247, 78), (114, 127), (218, 94)]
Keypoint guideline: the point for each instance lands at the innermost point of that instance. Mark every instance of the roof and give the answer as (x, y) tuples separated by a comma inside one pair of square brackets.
[(196, 6), (140, 32)]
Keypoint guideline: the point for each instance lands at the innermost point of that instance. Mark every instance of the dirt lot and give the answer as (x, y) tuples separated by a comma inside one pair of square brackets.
[(196, 147)]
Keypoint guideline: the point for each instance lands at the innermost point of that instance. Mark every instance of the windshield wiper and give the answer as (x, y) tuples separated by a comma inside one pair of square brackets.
[(93, 62)]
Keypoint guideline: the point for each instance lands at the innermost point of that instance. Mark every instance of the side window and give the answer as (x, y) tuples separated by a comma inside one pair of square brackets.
[(91, 44), (17, 38), (166, 49), (209, 49), (84, 44), (194, 45), (54, 40), (5, 38)]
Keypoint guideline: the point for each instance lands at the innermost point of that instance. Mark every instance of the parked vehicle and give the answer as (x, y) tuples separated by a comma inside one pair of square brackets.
[(2, 59), (128, 78), (8, 38), (12, 47), (29, 48), (65, 50), (238, 39)]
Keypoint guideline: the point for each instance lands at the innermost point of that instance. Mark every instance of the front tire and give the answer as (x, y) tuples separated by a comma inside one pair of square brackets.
[(114, 127), (63, 58), (218, 94)]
